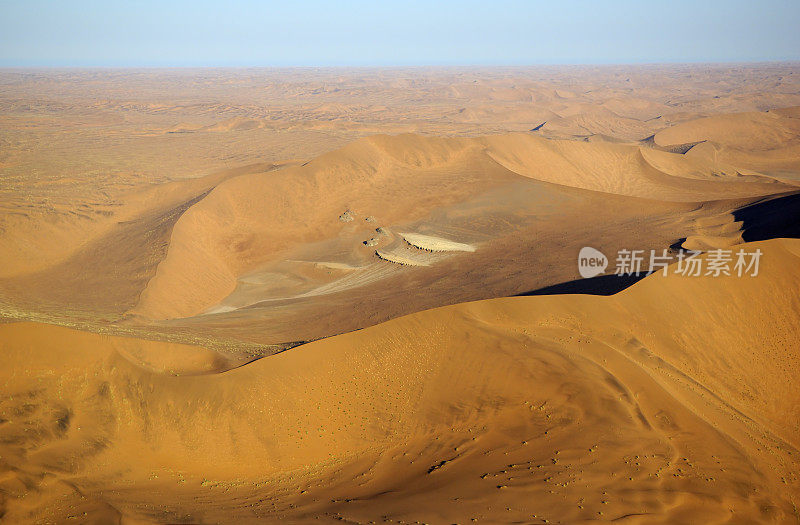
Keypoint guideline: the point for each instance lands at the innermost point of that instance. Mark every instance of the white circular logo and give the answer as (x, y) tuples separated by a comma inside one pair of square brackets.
[(591, 262)]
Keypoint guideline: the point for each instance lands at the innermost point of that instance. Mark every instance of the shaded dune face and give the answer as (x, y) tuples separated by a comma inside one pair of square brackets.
[(253, 220), (670, 401)]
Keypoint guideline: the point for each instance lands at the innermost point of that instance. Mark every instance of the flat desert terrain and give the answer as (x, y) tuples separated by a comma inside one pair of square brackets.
[(353, 295)]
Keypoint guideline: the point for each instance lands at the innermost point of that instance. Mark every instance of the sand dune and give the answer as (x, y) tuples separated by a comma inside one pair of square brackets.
[(618, 169), (251, 220), (236, 228), (236, 124), (589, 119), (524, 409), (293, 296), (745, 131), (766, 141), (186, 248), (37, 238)]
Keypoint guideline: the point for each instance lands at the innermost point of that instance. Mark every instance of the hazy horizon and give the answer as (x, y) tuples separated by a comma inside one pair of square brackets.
[(361, 34), (432, 67)]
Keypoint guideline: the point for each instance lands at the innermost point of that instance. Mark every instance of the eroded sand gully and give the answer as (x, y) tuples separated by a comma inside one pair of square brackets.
[(249, 299)]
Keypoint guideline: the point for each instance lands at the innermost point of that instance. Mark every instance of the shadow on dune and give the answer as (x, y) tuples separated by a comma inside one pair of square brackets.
[(778, 217), (600, 285)]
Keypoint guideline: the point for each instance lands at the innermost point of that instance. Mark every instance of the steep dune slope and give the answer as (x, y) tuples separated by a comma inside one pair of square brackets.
[(672, 401), (767, 141), (251, 219), (590, 119), (254, 220), (98, 261), (34, 238), (620, 169), (746, 131)]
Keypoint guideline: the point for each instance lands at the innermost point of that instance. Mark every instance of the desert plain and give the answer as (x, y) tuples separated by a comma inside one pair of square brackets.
[(352, 295)]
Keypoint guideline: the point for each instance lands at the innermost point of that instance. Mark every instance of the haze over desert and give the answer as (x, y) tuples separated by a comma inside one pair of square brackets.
[(421, 290)]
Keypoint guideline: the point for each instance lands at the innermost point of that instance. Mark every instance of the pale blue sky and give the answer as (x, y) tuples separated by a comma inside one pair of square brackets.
[(465, 32)]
